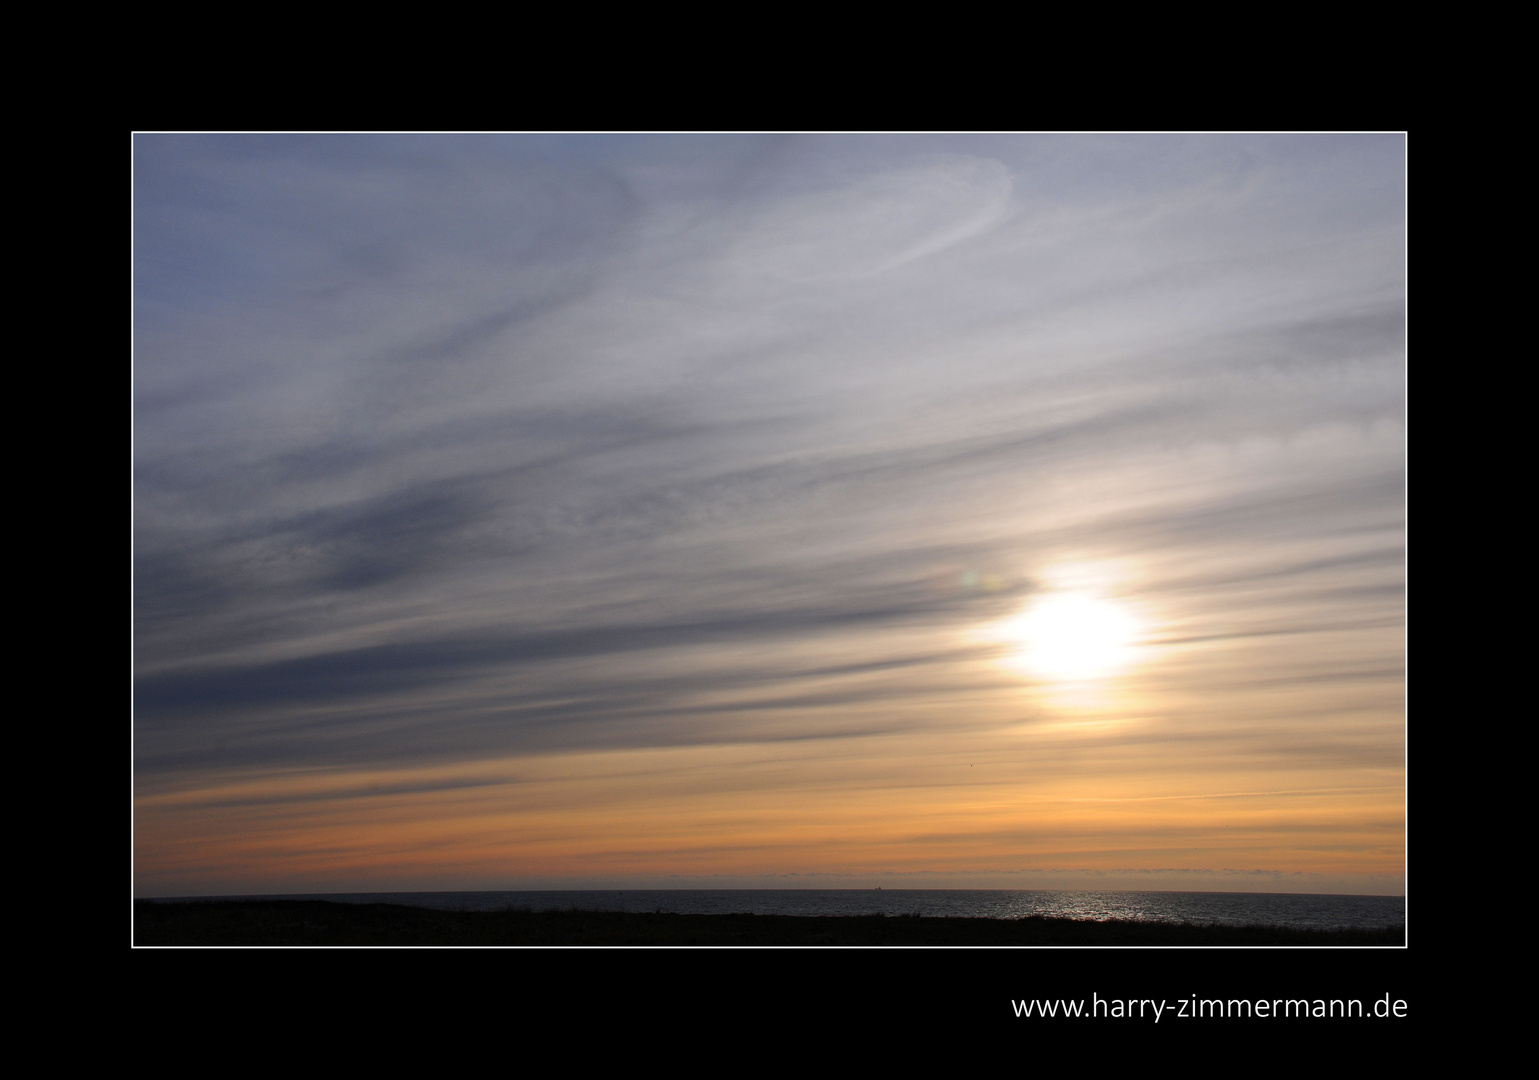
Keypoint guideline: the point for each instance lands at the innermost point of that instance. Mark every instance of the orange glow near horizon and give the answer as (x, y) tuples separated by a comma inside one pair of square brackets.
[(989, 806), (1118, 764)]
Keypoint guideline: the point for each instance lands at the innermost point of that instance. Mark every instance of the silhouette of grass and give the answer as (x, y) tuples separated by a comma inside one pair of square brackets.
[(322, 922)]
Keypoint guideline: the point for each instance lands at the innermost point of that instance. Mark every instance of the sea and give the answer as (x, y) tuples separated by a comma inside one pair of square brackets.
[(1305, 911)]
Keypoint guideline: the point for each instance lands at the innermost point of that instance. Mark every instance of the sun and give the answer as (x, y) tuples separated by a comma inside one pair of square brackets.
[(1073, 636)]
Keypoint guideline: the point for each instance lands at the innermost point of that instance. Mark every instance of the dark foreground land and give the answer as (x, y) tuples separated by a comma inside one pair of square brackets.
[(321, 922)]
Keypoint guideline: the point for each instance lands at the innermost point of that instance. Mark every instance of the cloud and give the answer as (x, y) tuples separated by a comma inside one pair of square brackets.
[(446, 446)]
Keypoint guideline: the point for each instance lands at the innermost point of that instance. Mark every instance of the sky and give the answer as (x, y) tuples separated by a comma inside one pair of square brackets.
[(618, 511)]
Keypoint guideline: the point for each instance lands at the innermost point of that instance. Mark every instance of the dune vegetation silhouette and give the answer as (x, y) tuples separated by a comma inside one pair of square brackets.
[(321, 922)]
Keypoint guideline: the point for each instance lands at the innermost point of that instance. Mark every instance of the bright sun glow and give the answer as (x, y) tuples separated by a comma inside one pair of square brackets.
[(1072, 636)]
